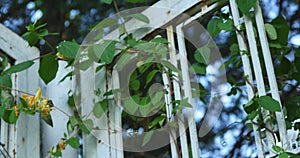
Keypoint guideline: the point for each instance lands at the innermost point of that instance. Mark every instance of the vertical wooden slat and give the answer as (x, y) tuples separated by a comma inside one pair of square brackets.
[(169, 108), (103, 148), (258, 75), (187, 92), (271, 73), (118, 117), (115, 123), (87, 84), (248, 72), (177, 94)]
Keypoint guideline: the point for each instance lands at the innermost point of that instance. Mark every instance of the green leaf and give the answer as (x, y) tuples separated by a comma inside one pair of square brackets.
[(48, 68), (145, 110), (125, 58), (285, 65), (234, 49), (277, 148), (2, 109), (5, 80), (212, 26), (86, 126), (48, 120), (293, 155), (150, 77), (245, 5), (147, 137), (122, 29), (297, 53), (108, 22), (134, 84), (57, 153), (32, 38), (282, 29), (251, 106), (130, 104), (269, 103), (156, 121), (283, 155), (73, 142), (68, 49), (160, 40), (202, 55), (169, 65), (69, 74), (199, 68), (23, 102), (271, 31), (19, 67), (4, 63), (140, 17), (296, 76), (71, 101), (157, 97), (252, 115), (106, 1), (108, 93), (100, 108), (74, 121), (226, 26), (297, 63), (105, 51), (84, 65), (185, 103)]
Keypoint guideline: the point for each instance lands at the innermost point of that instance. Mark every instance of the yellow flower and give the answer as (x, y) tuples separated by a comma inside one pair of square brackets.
[(38, 94), (25, 97), (31, 101), (44, 102), (16, 111), (46, 110), (61, 145), (60, 56)]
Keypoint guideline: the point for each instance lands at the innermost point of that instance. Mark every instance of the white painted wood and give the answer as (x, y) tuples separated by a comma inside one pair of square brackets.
[(177, 93), (248, 73), (169, 108), (87, 85), (258, 76), (103, 148), (271, 74), (58, 93), (115, 122), (204, 10), (159, 14), (118, 147), (187, 92), (23, 139)]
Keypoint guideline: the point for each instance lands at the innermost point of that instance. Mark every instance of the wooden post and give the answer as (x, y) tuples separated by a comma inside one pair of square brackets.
[(23, 138)]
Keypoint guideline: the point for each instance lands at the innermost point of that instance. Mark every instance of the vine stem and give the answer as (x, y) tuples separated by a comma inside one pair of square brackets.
[(61, 110), (6, 87), (42, 56)]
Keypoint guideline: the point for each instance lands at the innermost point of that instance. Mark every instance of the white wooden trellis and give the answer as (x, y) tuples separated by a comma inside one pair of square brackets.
[(23, 138), (286, 136), (174, 9), (165, 18)]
